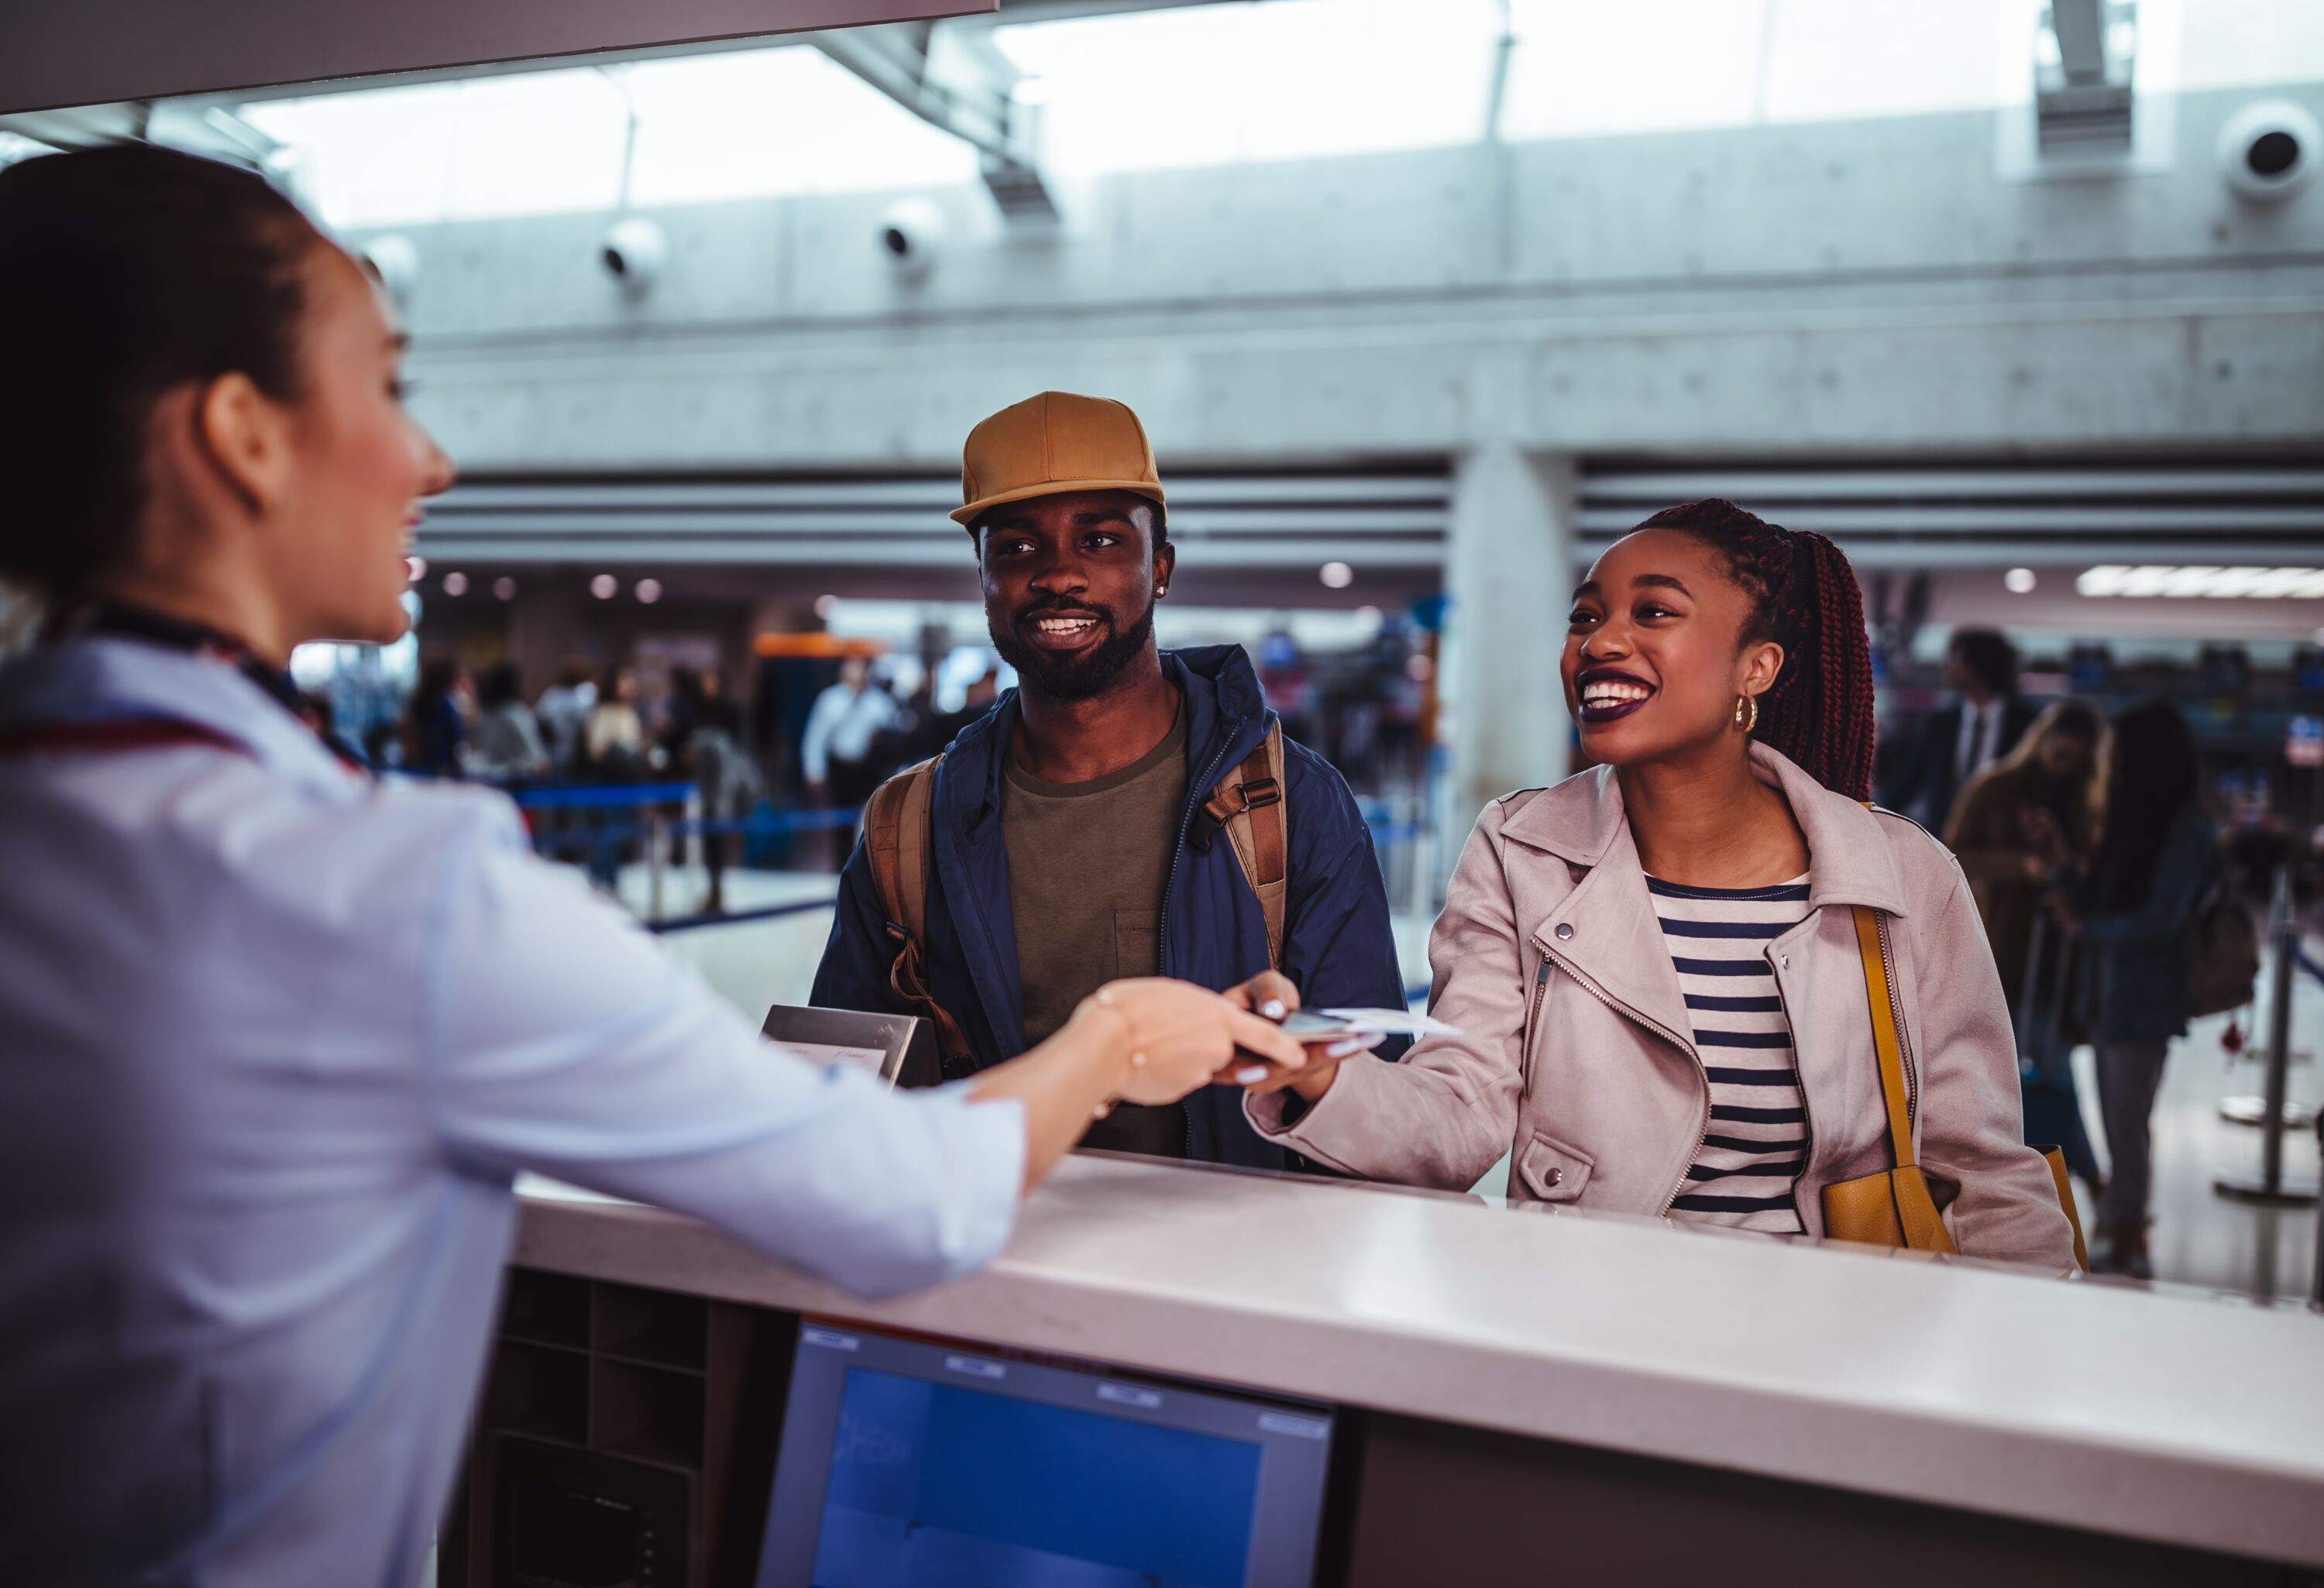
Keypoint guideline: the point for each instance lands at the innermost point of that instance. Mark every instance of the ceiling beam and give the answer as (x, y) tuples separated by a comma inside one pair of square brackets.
[(198, 127), (958, 81)]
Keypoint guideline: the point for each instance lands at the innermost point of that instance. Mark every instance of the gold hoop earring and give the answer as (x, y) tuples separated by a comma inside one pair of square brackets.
[(1746, 712)]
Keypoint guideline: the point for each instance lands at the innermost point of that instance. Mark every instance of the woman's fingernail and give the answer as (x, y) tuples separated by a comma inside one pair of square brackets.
[(1252, 1074), (1272, 1009), (1343, 1049)]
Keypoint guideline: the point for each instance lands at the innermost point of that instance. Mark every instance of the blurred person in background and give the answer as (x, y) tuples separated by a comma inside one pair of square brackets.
[(435, 719), (2131, 908), (258, 1141), (1950, 746), (315, 710), (843, 736), (983, 694), (613, 736), (1656, 966), (2019, 819), (507, 745), (613, 751), (1075, 832), (564, 706), (727, 779)]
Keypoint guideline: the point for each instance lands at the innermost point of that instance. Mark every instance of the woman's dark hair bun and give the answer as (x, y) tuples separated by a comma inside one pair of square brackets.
[(126, 272)]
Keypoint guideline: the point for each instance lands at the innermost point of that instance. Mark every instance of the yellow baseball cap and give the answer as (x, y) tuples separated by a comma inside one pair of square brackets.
[(1047, 445)]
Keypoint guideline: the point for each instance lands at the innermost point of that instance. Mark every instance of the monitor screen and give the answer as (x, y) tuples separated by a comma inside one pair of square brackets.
[(907, 1463)]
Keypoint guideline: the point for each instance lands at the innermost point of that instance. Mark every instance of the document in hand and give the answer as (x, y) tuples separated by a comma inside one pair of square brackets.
[(1392, 1022)]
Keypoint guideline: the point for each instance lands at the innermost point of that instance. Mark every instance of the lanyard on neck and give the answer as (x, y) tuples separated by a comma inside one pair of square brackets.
[(189, 638), (186, 635)]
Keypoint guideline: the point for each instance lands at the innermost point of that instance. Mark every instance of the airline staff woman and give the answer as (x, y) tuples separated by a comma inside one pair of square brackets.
[(277, 1036)]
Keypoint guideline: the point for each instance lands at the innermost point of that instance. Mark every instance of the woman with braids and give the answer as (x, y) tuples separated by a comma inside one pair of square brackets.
[(1654, 964)]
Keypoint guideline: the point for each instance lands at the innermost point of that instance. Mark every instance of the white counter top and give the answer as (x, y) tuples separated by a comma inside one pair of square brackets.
[(2165, 1416)]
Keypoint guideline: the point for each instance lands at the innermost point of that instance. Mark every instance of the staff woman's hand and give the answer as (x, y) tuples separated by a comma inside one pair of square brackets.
[(1180, 1037)]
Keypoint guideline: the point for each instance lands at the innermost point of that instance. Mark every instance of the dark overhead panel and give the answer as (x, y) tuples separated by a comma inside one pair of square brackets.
[(97, 51), (1264, 524), (1929, 518)]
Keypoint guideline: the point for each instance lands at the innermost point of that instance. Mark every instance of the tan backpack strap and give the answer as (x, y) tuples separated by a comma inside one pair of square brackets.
[(885, 824), (895, 828), (912, 845), (1248, 805), (1884, 1040)]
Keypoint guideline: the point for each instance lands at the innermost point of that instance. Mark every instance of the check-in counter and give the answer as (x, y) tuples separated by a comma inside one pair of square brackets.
[(1513, 1395)]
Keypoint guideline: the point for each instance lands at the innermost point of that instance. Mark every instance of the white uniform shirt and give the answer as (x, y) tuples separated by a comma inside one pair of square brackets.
[(277, 1039), (842, 724)]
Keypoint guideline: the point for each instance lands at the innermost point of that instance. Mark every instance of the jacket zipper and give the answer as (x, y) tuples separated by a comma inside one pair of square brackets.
[(1896, 1014), (1685, 1045), (1532, 1029), (1195, 791), (1807, 1109)]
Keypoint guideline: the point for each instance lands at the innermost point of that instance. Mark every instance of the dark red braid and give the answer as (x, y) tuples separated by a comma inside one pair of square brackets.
[(1804, 597)]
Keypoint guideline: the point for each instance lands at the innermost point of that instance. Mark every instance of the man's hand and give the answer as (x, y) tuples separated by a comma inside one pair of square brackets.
[(1271, 996)]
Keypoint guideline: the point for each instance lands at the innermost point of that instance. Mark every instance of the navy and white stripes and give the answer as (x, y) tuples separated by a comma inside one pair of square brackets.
[(1756, 1143)]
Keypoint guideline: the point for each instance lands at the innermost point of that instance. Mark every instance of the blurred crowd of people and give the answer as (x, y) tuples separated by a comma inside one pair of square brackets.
[(2091, 856)]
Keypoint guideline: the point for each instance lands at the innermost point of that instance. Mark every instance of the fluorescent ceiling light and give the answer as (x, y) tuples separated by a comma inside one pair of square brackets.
[(2191, 581)]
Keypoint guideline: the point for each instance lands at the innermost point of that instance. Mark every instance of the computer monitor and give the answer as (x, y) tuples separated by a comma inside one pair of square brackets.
[(907, 1463)]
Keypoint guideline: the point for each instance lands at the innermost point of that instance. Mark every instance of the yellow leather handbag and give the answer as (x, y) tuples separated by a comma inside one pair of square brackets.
[(1895, 1208)]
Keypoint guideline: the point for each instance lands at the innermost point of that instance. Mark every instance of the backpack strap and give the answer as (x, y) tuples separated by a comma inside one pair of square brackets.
[(1248, 805), (896, 826)]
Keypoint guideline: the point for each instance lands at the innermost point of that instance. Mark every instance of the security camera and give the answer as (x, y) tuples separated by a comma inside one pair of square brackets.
[(911, 234), (394, 263), (2268, 149), (631, 253)]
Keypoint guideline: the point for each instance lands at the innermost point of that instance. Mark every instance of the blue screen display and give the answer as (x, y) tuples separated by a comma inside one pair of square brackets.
[(938, 1484), (911, 1462)]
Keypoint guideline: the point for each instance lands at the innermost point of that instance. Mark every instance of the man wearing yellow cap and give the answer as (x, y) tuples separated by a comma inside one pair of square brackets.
[(1125, 811)]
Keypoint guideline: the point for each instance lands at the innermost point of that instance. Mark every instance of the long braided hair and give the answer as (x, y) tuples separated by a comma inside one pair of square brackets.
[(1804, 597)]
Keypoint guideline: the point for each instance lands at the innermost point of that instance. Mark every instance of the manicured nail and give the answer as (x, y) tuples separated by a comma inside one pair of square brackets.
[(1343, 1049), (1272, 1009), (1252, 1074)]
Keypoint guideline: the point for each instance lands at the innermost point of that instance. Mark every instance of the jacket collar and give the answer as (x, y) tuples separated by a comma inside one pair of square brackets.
[(103, 677), (1849, 860), (1226, 718)]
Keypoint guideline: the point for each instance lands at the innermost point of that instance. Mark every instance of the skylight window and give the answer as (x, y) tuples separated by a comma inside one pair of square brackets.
[(1284, 79), (732, 126)]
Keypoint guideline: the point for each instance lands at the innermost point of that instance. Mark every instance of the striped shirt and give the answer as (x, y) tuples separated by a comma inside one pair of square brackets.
[(1756, 1143)]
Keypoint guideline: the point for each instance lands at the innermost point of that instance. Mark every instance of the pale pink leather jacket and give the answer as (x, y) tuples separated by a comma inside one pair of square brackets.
[(1579, 1061)]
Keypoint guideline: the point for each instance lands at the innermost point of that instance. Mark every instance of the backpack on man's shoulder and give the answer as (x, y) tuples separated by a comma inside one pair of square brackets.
[(1248, 805)]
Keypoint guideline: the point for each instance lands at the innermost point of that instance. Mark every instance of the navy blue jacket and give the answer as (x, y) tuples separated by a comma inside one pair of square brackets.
[(2139, 985), (1337, 947)]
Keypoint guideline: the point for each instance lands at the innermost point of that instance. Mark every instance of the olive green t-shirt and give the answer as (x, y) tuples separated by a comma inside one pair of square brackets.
[(1087, 865)]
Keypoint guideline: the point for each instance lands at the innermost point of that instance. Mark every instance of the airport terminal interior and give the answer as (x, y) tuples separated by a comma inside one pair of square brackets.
[(1423, 305)]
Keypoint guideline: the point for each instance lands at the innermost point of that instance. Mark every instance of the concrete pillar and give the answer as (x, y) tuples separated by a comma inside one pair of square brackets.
[(1510, 575)]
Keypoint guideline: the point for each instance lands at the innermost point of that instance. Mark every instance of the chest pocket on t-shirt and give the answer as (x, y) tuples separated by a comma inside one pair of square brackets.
[(1137, 943)]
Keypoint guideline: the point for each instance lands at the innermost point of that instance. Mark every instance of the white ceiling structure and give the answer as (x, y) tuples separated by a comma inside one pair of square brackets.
[(1177, 84)]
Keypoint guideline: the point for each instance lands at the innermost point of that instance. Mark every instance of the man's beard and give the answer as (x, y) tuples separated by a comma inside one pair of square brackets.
[(1083, 675)]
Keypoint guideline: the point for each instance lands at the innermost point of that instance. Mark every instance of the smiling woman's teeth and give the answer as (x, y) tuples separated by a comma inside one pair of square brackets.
[(1611, 693)]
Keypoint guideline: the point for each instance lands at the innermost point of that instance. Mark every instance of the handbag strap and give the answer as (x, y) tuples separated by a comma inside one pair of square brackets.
[(1884, 1040)]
